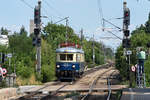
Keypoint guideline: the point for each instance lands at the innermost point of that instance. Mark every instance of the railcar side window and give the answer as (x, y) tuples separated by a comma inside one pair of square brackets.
[(78, 57), (62, 56), (69, 57)]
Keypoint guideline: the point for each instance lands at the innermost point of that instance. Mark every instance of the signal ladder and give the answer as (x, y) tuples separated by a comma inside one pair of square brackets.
[(140, 77)]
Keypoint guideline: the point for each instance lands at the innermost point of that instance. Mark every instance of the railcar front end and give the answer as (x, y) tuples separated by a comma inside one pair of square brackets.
[(69, 63)]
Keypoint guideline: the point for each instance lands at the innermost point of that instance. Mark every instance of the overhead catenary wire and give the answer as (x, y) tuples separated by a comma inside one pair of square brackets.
[(114, 35), (27, 4), (46, 14), (115, 18), (51, 7), (101, 12), (112, 24), (60, 16), (103, 20)]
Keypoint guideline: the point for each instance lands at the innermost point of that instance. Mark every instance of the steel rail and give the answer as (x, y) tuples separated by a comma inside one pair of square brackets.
[(85, 73), (55, 92), (109, 86), (27, 97), (97, 68), (36, 93), (93, 84), (32, 95), (45, 97)]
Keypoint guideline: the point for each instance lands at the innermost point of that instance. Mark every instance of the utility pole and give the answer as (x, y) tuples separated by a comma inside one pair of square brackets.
[(9, 70), (66, 30), (81, 38), (104, 54), (37, 36), (93, 51)]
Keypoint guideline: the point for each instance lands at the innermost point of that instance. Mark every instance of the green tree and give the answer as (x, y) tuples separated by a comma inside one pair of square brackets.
[(20, 45), (140, 38), (23, 31), (147, 25), (4, 31)]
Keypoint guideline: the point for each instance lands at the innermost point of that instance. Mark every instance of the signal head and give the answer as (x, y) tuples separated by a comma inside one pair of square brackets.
[(38, 41), (36, 31), (127, 16), (126, 33), (37, 15), (126, 43)]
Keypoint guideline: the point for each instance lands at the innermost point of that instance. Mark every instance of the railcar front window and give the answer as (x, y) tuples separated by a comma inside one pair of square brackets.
[(66, 57), (62, 56), (70, 57)]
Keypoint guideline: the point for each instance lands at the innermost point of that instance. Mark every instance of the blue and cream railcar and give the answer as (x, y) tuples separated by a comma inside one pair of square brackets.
[(69, 63)]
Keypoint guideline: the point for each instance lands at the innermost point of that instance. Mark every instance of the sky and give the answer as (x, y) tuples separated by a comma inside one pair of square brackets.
[(82, 14)]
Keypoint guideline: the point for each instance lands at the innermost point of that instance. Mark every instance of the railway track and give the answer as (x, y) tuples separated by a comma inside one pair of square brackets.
[(98, 68), (100, 76), (38, 95)]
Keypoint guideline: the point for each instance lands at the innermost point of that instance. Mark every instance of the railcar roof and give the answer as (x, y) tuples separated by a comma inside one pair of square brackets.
[(69, 50)]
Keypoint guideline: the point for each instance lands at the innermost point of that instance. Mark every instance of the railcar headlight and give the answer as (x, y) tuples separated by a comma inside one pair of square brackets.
[(73, 66), (58, 66)]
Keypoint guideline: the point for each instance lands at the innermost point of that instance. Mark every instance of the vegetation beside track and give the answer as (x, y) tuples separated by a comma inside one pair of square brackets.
[(139, 38), (23, 60)]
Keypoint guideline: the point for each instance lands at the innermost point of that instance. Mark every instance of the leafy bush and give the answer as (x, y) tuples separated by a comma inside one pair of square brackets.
[(24, 71), (147, 71), (47, 73), (139, 38), (3, 84), (24, 60)]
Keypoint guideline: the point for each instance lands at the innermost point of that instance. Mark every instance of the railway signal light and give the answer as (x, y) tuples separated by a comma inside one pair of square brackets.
[(126, 33), (38, 41), (127, 16), (37, 16), (126, 43), (34, 41), (36, 31)]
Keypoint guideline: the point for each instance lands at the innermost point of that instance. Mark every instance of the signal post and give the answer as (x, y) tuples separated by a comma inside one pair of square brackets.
[(37, 36), (126, 40)]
